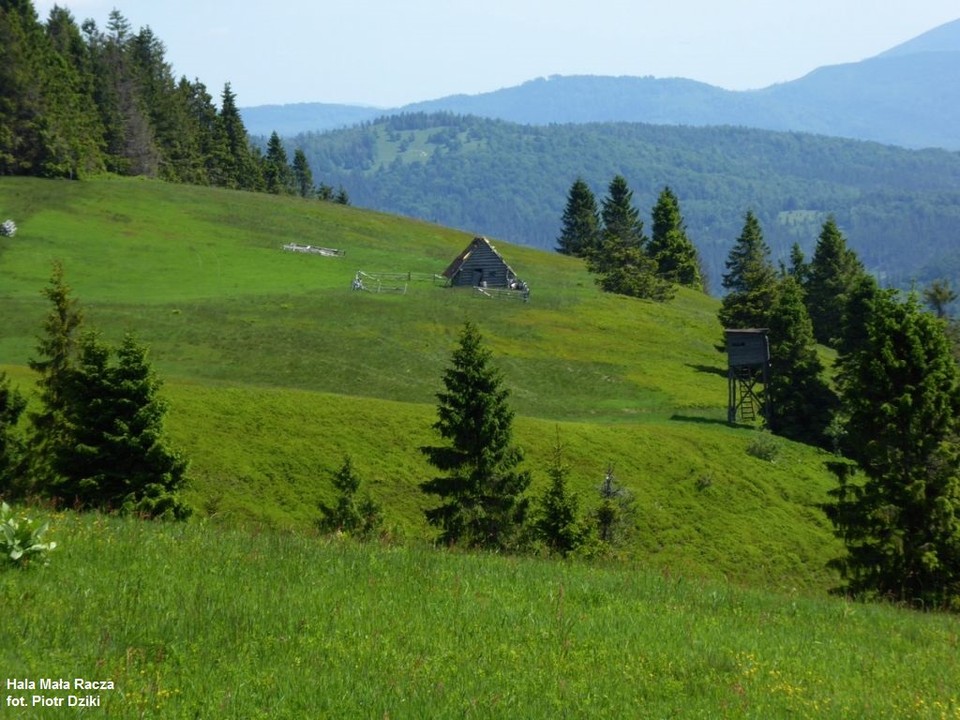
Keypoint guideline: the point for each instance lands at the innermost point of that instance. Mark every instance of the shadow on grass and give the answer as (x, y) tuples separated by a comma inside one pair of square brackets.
[(709, 369), (701, 420)]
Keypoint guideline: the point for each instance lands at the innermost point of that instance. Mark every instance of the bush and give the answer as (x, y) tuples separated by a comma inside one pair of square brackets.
[(21, 537), (764, 447)]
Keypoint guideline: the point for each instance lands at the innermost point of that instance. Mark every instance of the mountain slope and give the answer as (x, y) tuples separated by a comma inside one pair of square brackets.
[(899, 208), (275, 368), (904, 97)]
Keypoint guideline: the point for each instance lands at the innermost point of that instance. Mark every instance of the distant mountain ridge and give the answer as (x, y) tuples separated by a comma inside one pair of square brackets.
[(905, 96)]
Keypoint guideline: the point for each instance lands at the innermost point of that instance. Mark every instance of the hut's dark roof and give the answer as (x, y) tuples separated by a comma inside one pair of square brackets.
[(458, 262)]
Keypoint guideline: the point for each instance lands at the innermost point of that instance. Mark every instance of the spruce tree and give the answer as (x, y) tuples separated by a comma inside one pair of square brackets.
[(675, 255), (557, 524), (831, 276), (277, 174), (302, 175), (55, 363), (901, 522), (12, 405), (800, 401), (750, 279), (481, 487), (621, 261), (361, 518), (115, 457), (580, 231)]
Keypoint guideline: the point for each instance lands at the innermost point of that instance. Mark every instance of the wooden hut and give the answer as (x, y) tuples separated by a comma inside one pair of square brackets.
[(480, 265)]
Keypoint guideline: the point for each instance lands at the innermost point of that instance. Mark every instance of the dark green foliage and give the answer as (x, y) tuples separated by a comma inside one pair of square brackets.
[(675, 255), (48, 125), (115, 457), (556, 523), (621, 220), (750, 280), (800, 402), (900, 522), (580, 233), (56, 350), (360, 518), (277, 174), (621, 261), (830, 278), (302, 175), (12, 405), (481, 489)]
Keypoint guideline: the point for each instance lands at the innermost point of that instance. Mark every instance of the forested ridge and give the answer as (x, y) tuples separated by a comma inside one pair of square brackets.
[(77, 100), (899, 208)]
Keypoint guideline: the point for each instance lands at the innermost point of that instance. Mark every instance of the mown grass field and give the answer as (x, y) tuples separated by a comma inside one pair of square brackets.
[(191, 621)]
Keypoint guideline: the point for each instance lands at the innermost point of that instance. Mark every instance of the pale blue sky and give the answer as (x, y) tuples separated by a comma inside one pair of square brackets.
[(390, 52)]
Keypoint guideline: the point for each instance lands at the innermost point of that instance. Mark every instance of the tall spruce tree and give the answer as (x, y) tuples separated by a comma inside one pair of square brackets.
[(302, 175), (750, 279), (55, 363), (901, 523), (831, 276), (621, 261), (481, 487), (277, 174), (675, 255), (580, 230), (801, 403)]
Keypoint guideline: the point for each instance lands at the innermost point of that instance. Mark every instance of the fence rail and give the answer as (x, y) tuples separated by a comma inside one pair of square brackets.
[(314, 250)]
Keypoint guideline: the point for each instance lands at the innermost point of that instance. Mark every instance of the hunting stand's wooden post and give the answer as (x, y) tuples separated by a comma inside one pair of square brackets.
[(748, 365)]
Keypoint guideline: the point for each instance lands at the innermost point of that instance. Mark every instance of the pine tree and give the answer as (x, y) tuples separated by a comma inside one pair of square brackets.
[(750, 280), (557, 524), (800, 401), (362, 518), (481, 489), (832, 274), (55, 364), (676, 257), (901, 523), (580, 232), (116, 457)]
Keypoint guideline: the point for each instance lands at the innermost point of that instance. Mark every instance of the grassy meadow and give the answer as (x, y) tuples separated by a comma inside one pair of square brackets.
[(192, 622), (274, 370)]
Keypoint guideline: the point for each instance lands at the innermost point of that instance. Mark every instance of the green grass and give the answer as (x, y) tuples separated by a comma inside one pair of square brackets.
[(274, 369), (194, 620)]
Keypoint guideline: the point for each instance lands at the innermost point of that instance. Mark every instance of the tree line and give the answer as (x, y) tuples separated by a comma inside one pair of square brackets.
[(900, 208), (891, 416), (617, 250), (77, 100)]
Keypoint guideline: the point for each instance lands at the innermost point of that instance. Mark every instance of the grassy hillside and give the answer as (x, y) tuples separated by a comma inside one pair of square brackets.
[(188, 621), (275, 368)]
